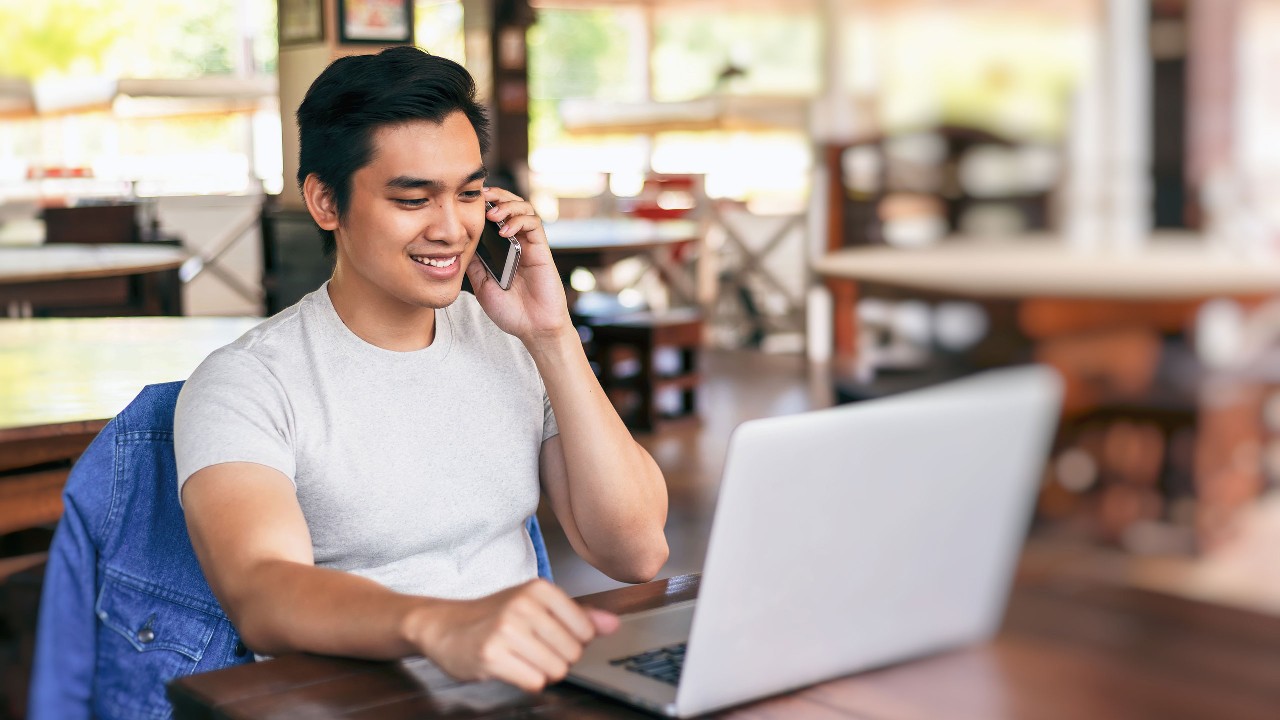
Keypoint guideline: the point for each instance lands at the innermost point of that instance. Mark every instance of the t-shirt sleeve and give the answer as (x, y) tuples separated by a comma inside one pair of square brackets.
[(232, 410), (549, 427)]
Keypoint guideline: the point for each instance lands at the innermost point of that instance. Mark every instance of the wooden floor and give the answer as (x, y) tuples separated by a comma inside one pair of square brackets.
[(742, 385)]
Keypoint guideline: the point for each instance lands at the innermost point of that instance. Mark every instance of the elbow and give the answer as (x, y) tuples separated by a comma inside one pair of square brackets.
[(656, 558), (644, 563), (254, 620), (255, 632), (264, 637)]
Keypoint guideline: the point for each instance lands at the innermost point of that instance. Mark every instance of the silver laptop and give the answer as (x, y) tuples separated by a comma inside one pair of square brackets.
[(843, 540)]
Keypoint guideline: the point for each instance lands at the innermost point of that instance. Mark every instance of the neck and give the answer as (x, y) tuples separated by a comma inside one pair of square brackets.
[(377, 317)]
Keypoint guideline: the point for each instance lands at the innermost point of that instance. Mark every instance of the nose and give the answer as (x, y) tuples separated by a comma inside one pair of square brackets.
[(449, 224)]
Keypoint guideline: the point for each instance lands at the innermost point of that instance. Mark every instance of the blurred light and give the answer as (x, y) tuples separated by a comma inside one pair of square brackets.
[(959, 325), (190, 268), (861, 169), (874, 311), (1219, 332), (990, 171), (666, 361), (668, 401), (912, 319), (1075, 470), (674, 200), (992, 220), (631, 298), (582, 280), (918, 148), (915, 232), (626, 184)]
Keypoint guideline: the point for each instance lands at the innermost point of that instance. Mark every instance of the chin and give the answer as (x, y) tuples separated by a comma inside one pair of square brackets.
[(436, 297)]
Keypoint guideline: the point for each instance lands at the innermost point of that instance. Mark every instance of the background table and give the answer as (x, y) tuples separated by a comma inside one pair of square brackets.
[(133, 279), (598, 243), (1069, 649), (61, 380), (1167, 279)]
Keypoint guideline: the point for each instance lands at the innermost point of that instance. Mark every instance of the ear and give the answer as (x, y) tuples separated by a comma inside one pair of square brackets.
[(320, 202)]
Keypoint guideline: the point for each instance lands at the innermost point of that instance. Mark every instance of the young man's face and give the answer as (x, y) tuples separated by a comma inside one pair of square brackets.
[(416, 212)]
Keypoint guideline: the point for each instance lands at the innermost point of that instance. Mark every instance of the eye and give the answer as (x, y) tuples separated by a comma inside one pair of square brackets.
[(471, 194), (411, 202)]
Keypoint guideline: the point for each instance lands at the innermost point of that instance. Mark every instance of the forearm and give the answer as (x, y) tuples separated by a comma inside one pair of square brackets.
[(281, 606), (615, 492), (527, 635)]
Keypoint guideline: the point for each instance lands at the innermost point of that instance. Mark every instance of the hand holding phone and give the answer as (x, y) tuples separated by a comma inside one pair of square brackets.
[(500, 256)]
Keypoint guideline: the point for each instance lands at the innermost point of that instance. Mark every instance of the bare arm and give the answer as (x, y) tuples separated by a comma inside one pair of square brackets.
[(608, 493), (252, 541), (606, 490)]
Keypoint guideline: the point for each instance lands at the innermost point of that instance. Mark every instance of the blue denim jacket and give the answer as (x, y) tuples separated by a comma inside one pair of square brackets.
[(125, 607)]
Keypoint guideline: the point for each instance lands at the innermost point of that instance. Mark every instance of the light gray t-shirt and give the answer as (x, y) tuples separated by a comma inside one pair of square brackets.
[(415, 469)]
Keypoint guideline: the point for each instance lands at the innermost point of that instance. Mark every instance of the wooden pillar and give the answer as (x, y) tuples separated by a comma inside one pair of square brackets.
[(509, 159)]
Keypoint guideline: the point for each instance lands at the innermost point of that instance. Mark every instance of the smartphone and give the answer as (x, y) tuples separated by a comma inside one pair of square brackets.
[(499, 255)]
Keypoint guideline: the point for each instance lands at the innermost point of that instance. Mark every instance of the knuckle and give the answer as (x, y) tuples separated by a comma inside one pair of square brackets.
[(520, 606), (508, 626), (490, 652)]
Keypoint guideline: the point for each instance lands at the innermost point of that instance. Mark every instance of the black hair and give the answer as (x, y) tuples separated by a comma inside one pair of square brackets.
[(358, 94)]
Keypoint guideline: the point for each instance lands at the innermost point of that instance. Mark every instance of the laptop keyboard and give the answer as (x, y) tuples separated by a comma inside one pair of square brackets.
[(663, 664)]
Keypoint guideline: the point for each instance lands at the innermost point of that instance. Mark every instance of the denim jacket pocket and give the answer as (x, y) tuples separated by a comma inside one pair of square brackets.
[(147, 636)]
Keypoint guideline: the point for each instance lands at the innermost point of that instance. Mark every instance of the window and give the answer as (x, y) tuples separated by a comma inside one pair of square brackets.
[(98, 72)]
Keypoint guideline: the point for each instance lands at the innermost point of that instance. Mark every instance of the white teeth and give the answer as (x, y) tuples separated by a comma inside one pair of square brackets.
[(436, 263)]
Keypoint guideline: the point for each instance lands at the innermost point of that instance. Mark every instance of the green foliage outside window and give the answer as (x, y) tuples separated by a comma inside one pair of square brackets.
[(776, 54), (133, 38), (576, 54)]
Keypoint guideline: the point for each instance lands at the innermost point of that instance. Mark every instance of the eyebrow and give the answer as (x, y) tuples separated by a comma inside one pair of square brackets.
[(407, 182)]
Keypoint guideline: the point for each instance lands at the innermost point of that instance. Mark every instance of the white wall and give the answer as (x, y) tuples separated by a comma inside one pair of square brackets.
[(204, 223)]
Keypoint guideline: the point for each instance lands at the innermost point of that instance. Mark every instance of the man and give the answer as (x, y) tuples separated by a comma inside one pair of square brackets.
[(357, 470)]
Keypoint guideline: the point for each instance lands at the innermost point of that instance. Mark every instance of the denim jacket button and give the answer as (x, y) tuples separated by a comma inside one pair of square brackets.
[(146, 635), (241, 650)]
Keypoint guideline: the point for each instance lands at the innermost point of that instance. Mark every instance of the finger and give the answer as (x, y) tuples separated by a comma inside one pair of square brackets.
[(509, 209), (538, 655), (606, 623), (530, 225), (497, 195), (509, 667), (556, 636), (563, 608)]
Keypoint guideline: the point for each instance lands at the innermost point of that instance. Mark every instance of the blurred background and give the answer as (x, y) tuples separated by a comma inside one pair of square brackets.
[(758, 207)]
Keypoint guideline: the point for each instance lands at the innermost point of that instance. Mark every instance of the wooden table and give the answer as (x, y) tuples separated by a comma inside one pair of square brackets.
[(1068, 649), (127, 279), (598, 243), (61, 380), (1174, 273), (590, 240)]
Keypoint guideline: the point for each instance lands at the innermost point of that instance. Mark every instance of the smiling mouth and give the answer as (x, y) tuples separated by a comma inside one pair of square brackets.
[(434, 262)]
